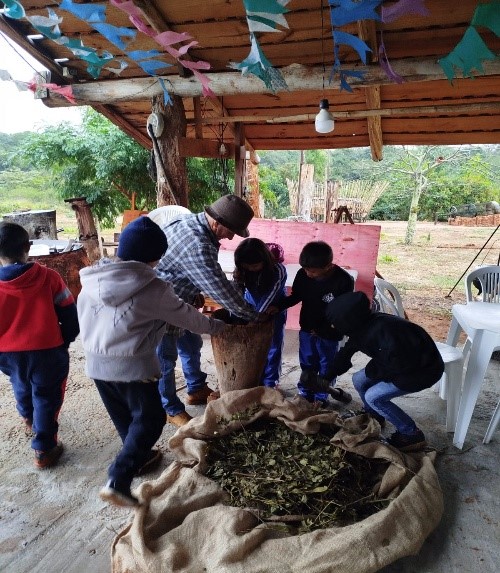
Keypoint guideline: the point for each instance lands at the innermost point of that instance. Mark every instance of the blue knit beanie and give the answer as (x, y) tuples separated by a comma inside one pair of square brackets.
[(142, 240)]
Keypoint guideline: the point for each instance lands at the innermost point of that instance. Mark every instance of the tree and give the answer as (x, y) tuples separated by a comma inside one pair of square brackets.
[(416, 165), (97, 161), (208, 179)]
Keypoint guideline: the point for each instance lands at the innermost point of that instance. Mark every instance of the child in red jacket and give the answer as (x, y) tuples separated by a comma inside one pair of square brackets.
[(38, 321)]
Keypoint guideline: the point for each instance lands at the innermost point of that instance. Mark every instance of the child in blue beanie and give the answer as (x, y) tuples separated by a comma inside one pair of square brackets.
[(123, 309)]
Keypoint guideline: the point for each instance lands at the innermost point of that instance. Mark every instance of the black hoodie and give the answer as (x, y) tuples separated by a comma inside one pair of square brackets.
[(401, 352)]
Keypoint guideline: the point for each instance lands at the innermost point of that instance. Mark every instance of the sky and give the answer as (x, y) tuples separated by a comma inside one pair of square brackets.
[(19, 111)]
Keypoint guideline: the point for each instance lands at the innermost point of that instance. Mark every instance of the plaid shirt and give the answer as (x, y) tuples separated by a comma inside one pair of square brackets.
[(191, 265)]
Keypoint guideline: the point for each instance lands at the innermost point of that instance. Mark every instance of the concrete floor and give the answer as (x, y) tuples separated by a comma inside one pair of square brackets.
[(53, 521)]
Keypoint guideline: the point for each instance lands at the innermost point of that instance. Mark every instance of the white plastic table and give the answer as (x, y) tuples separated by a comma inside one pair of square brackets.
[(481, 322)]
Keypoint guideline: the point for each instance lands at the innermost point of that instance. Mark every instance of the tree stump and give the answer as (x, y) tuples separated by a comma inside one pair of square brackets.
[(87, 232), (240, 353), (68, 265)]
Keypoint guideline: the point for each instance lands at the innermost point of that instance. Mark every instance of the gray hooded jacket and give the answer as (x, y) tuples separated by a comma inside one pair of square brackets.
[(123, 309)]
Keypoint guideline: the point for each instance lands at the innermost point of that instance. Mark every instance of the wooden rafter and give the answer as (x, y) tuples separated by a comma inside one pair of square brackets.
[(297, 77)]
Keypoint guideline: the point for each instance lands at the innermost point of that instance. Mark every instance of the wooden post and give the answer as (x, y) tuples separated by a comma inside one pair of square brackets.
[(253, 195), (306, 191), (87, 232), (172, 184), (239, 159)]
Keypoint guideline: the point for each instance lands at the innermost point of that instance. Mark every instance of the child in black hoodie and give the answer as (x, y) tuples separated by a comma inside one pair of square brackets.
[(404, 359)]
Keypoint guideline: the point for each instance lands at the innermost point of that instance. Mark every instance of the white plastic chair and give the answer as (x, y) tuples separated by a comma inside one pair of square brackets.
[(481, 323), (389, 297), (489, 278), (449, 386), (495, 420)]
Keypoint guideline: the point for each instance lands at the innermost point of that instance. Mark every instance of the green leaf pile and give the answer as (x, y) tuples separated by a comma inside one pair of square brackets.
[(302, 482)]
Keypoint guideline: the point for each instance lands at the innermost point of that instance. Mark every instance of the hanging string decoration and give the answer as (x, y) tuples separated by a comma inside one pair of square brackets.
[(471, 51), (168, 40), (263, 16), (120, 36), (344, 12)]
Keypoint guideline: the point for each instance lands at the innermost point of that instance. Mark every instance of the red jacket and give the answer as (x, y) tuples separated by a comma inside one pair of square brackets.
[(29, 310)]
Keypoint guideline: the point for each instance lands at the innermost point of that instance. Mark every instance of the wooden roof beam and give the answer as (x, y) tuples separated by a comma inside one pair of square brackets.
[(467, 108), (297, 77)]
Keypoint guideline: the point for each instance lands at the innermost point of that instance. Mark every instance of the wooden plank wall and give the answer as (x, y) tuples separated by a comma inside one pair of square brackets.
[(354, 247)]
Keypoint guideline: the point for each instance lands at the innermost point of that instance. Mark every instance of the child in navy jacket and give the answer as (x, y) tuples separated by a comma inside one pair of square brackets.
[(38, 321), (262, 275), (403, 359), (317, 283)]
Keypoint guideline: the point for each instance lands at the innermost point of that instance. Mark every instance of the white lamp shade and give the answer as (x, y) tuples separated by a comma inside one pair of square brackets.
[(324, 122)]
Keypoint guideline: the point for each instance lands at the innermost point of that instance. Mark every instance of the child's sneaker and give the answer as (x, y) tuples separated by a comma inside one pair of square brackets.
[(408, 442), (47, 459), (151, 464), (340, 395), (117, 494)]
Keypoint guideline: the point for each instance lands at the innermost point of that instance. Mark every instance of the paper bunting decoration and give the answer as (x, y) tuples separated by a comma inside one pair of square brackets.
[(263, 16), (386, 66), (65, 91), (488, 15), (167, 41), (346, 11), (467, 55), (87, 12), (119, 36), (13, 9), (403, 7), (471, 51), (47, 25), (5, 76)]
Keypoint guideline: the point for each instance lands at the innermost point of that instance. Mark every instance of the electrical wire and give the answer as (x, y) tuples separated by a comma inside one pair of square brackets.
[(13, 48)]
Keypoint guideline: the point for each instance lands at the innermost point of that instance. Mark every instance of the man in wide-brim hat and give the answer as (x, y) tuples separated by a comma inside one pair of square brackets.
[(191, 265)]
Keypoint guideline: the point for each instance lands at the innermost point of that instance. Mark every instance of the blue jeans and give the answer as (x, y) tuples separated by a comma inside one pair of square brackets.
[(136, 411), (168, 351), (377, 396), (38, 379), (272, 370), (315, 354), (189, 347)]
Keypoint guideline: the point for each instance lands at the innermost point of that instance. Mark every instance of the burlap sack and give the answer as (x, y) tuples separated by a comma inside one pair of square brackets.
[(184, 526)]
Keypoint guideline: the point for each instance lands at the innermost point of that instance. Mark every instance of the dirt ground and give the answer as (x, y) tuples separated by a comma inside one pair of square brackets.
[(53, 521)]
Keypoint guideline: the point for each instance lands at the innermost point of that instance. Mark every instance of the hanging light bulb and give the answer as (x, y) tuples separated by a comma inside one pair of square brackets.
[(324, 122)]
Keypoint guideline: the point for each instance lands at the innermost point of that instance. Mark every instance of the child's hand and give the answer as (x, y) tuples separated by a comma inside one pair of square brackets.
[(199, 301), (238, 276)]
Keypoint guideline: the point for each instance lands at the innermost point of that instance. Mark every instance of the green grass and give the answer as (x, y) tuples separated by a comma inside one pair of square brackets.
[(21, 193), (387, 259)]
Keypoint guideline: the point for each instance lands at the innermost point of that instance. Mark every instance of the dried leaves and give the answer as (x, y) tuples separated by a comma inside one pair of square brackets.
[(284, 476)]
